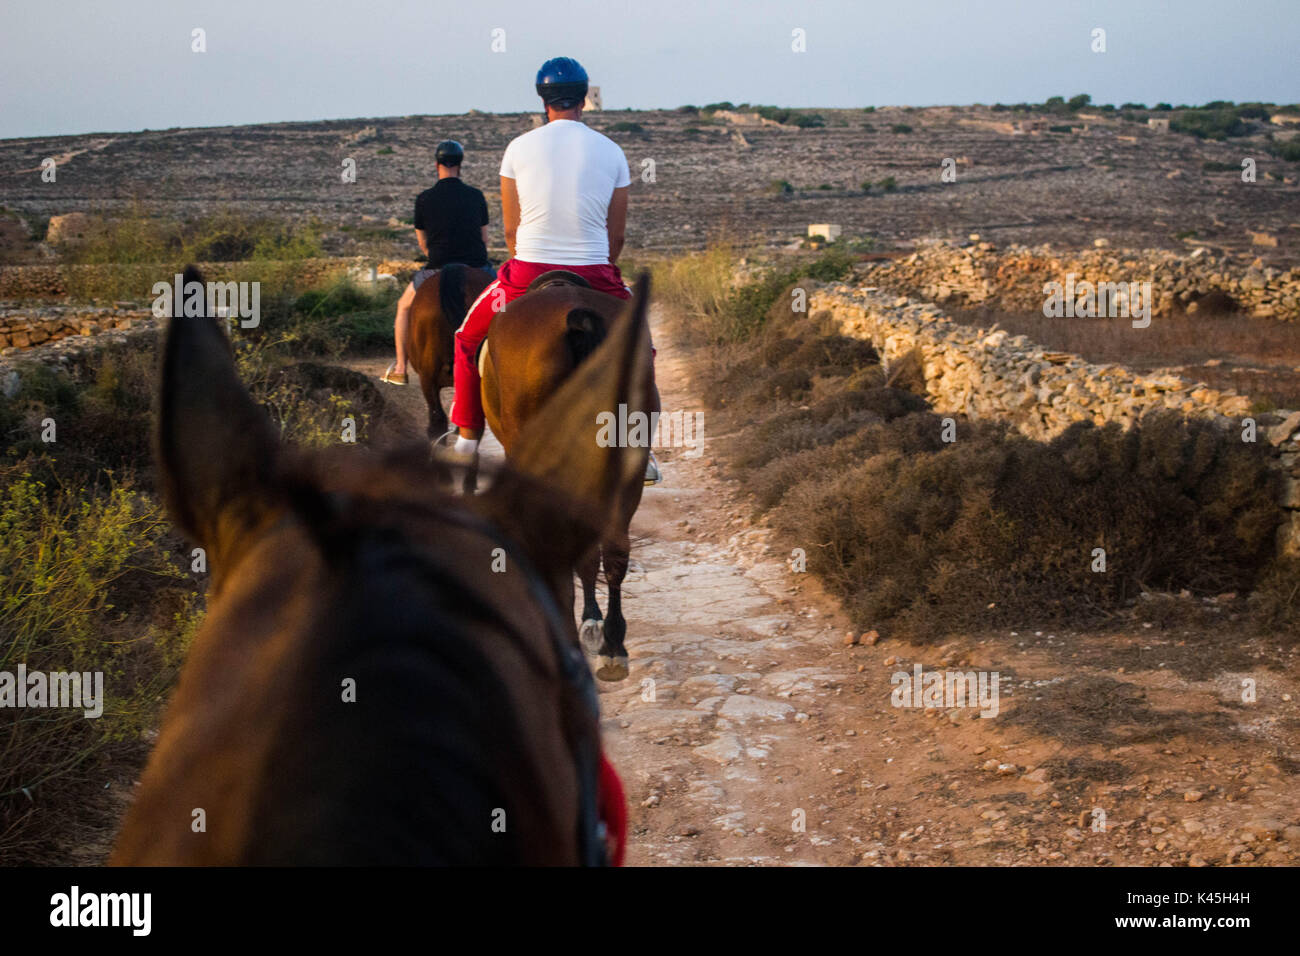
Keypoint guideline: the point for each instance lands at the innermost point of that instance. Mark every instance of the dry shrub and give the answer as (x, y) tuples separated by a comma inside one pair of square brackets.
[(994, 528), (926, 538)]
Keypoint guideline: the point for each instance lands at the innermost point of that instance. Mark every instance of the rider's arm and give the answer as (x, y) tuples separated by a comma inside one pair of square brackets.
[(510, 211), (616, 221), (422, 238)]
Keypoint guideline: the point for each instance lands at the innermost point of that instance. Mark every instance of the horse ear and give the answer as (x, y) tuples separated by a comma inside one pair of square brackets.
[(215, 449), (567, 446)]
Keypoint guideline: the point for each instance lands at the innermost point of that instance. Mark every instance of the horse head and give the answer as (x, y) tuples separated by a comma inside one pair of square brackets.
[(383, 675)]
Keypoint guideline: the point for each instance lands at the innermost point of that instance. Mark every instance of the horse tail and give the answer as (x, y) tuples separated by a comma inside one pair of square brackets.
[(584, 330), (451, 294)]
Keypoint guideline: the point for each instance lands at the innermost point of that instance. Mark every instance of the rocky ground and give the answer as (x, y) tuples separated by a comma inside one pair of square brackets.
[(696, 178)]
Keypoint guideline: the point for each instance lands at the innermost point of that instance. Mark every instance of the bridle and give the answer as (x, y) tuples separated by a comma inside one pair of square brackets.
[(573, 669), (592, 850)]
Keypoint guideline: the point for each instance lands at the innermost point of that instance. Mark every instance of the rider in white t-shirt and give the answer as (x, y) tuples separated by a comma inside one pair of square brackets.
[(564, 191)]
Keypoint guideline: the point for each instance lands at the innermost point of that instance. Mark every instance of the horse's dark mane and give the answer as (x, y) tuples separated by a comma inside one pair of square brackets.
[(398, 617)]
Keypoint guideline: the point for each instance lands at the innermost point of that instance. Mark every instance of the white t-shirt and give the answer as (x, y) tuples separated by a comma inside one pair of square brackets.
[(566, 173)]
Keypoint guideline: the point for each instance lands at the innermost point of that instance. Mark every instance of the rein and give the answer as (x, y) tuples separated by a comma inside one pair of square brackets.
[(573, 668), (592, 848)]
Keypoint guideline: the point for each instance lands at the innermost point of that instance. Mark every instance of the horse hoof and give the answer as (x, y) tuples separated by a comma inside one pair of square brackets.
[(611, 668), (591, 635)]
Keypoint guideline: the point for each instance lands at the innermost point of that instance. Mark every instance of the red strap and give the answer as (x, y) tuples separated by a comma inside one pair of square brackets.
[(613, 810)]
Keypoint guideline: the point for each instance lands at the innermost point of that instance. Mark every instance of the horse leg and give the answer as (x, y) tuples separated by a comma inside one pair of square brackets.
[(430, 385), (592, 631), (611, 658)]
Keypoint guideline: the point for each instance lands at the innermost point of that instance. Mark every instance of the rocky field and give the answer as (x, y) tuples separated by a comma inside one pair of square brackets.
[(698, 177)]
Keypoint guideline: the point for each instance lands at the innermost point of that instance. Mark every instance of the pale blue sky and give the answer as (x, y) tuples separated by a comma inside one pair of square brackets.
[(93, 65)]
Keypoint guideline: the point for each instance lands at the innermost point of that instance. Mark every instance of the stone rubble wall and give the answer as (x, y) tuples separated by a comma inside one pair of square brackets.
[(996, 376), (976, 273), (27, 328)]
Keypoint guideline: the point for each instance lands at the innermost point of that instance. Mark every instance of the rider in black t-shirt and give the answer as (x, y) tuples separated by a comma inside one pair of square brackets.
[(451, 226)]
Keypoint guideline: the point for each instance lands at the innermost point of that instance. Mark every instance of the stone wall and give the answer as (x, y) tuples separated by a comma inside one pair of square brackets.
[(976, 273), (27, 328), (996, 376)]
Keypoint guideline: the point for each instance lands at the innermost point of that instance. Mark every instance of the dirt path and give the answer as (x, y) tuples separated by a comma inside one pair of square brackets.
[(749, 734)]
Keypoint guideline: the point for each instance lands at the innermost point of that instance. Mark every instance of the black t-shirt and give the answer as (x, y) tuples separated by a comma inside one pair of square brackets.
[(452, 216)]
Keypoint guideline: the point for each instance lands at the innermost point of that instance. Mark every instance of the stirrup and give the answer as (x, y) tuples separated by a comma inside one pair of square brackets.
[(652, 473)]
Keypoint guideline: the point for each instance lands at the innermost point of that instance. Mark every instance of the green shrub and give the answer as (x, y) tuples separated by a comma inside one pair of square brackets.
[(86, 585), (623, 126), (900, 128), (1210, 124), (1290, 150)]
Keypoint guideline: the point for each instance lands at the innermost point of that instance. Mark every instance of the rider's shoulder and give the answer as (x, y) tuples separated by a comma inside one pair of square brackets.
[(602, 139)]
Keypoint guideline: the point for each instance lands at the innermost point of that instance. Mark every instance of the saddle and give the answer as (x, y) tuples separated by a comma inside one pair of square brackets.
[(544, 281), (558, 277)]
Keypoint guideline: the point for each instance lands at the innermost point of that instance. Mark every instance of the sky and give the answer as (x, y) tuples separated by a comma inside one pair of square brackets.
[(81, 66)]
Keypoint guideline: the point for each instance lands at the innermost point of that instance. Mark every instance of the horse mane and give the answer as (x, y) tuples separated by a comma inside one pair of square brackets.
[(397, 614)]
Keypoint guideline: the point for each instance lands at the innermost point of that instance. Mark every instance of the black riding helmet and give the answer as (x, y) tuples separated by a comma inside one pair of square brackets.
[(449, 153), (562, 83)]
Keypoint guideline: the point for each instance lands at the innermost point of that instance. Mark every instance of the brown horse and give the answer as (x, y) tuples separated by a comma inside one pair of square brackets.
[(533, 348), (437, 311), (384, 675)]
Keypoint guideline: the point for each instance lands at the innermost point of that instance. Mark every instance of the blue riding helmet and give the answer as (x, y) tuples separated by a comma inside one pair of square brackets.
[(562, 82)]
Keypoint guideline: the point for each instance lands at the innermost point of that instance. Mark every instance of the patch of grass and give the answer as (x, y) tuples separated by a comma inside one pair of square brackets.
[(131, 252), (900, 128), (701, 286), (623, 126)]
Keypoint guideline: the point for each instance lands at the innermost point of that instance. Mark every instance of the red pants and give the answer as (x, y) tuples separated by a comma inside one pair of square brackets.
[(511, 282)]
